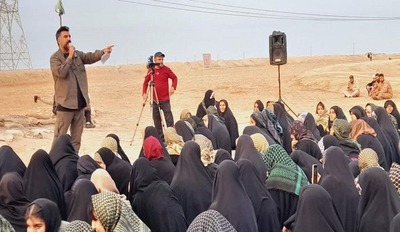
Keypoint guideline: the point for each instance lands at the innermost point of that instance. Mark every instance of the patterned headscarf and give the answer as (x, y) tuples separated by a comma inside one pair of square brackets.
[(78, 226), (206, 147), (284, 172), (185, 114), (360, 127), (6, 226), (367, 159), (260, 142), (114, 214), (394, 174), (341, 130), (299, 131), (210, 221), (171, 137), (110, 143)]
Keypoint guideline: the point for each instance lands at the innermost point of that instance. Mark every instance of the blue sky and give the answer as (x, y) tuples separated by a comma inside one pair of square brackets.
[(137, 31)]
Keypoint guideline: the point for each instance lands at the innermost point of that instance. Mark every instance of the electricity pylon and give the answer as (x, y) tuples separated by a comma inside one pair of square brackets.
[(14, 52)]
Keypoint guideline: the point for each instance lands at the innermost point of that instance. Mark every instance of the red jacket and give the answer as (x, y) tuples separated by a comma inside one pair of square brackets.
[(161, 77)]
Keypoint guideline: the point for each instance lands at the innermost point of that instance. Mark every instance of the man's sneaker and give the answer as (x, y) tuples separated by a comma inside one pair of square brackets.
[(90, 125)]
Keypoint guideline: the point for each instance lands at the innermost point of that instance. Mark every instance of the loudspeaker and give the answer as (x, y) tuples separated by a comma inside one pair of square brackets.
[(277, 48)]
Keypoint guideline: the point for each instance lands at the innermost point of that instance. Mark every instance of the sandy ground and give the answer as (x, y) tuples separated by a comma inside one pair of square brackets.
[(116, 93)]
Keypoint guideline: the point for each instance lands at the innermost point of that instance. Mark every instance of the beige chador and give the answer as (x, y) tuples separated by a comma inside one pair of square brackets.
[(71, 92), (352, 90), (383, 91)]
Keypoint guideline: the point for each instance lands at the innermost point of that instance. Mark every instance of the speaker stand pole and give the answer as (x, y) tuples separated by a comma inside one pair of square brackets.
[(280, 92)]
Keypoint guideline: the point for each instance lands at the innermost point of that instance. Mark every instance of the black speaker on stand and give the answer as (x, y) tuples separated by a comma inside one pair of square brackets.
[(278, 56)]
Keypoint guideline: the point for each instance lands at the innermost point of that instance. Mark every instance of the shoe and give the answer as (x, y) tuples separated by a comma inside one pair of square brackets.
[(90, 125)]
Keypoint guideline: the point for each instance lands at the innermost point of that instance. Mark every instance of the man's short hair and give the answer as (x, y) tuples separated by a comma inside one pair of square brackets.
[(61, 29), (381, 75), (159, 54), (376, 74), (351, 77)]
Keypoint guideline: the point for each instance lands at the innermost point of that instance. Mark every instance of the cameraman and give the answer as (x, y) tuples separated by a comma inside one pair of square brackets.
[(162, 91)]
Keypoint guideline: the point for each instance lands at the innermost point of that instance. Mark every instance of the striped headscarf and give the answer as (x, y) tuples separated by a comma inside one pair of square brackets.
[(5, 225), (284, 173), (114, 214)]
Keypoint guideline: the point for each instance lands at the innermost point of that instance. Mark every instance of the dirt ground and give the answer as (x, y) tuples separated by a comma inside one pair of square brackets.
[(115, 93)]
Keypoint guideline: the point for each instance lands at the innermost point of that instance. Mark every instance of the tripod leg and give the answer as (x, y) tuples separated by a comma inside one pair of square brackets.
[(290, 109), (140, 115)]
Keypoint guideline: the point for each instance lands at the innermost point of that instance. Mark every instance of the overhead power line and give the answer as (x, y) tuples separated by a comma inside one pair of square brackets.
[(249, 12)]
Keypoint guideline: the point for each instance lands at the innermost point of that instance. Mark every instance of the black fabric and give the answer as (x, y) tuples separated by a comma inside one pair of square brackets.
[(192, 184), (260, 105), (230, 199), (250, 130), (369, 141), (245, 150), (357, 111), (395, 225), (183, 130), (316, 211), (222, 155), (13, 202), (284, 121), (121, 152), (65, 159), (81, 196), (309, 123), (152, 131), (310, 147), (379, 201), (41, 181), (386, 124), (330, 140), (153, 200), (49, 212), (220, 133), (305, 161), (206, 102), (230, 122), (265, 124), (338, 181), (263, 204), (389, 150), (86, 166), (395, 111), (10, 162), (118, 169), (165, 169), (286, 203)]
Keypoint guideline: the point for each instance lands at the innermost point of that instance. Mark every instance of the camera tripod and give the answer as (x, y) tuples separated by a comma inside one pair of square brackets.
[(151, 93), (280, 92)]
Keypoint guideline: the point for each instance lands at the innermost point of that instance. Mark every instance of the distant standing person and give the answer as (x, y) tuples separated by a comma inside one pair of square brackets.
[(160, 74), (353, 88), (71, 85)]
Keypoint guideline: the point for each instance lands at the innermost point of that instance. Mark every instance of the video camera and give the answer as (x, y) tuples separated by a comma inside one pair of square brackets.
[(150, 63)]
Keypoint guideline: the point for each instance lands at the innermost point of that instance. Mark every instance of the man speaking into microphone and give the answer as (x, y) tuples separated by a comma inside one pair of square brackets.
[(71, 86)]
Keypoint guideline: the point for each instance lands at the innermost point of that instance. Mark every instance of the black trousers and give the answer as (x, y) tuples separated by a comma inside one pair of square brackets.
[(165, 106)]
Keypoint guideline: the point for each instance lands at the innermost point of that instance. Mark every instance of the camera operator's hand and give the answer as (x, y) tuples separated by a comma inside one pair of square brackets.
[(171, 91)]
